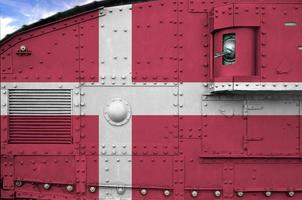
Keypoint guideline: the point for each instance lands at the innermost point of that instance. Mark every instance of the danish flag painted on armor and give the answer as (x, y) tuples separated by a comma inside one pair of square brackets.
[(163, 99)]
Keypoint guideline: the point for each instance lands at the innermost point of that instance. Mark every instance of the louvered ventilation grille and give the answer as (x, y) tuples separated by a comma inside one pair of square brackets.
[(40, 116)]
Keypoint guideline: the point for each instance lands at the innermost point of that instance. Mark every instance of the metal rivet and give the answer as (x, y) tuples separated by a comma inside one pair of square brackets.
[(92, 189), (46, 186), (217, 193), (166, 193), (18, 183), (291, 194), (69, 188), (120, 190), (143, 192), (23, 48), (194, 193), (240, 194), (268, 194)]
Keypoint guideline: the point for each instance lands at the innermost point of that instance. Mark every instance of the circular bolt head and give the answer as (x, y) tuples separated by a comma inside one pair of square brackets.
[(194, 193), (18, 183), (291, 194), (92, 189), (166, 193), (240, 194), (144, 192), (217, 193), (117, 112), (268, 194), (69, 188), (23, 48), (120, 190), (46, 186)]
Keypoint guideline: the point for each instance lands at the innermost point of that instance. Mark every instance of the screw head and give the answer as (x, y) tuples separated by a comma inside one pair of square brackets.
[(291, 193), (217, 193), (69, 188), (23, 48), (268, 193), (120, 190), (166, 193), (194, 193), (46, 186), (92, 189), (144, 192), (240, 194), (18, 183)]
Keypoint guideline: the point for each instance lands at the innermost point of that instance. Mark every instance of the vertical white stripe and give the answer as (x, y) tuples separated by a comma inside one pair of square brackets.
[(115, 45), (115, 67)]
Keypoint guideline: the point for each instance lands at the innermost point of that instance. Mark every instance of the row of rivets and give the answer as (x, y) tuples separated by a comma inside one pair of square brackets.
[(145, 192), (121, 190), (217, 193), (46, 186)]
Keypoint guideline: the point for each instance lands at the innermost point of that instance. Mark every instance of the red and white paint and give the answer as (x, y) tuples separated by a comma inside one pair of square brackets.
[(181, 136)]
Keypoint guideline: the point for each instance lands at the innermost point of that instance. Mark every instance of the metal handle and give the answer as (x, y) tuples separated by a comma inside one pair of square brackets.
[(217, 54)]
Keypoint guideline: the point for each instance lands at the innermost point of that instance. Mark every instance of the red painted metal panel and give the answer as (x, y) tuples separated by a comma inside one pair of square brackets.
[(280, 57), (190, 126), (199, 175), (194, 45), (89, 134), (223, 17), (152, 171), (89, 50), (55, 52), (265, 176), (54, 57), (92, 177), (6, 64), (252, 136), (197, 6), (45, 169), (219, 129), (92, 170), (273, 136), (179, 153), (154, 135), (154, 42), (247, 15)]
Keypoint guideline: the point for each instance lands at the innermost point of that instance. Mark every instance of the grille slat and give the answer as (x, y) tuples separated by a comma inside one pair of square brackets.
[(39, 116)]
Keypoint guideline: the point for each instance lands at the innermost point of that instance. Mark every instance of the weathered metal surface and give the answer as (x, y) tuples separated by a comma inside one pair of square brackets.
[(151, 101)]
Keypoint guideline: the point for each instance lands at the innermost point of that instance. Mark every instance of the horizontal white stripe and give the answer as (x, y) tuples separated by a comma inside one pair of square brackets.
[(39, 85), (75, 87), (190, 96), (182, 98), (142, 100), (256, 86), (251, 107)]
